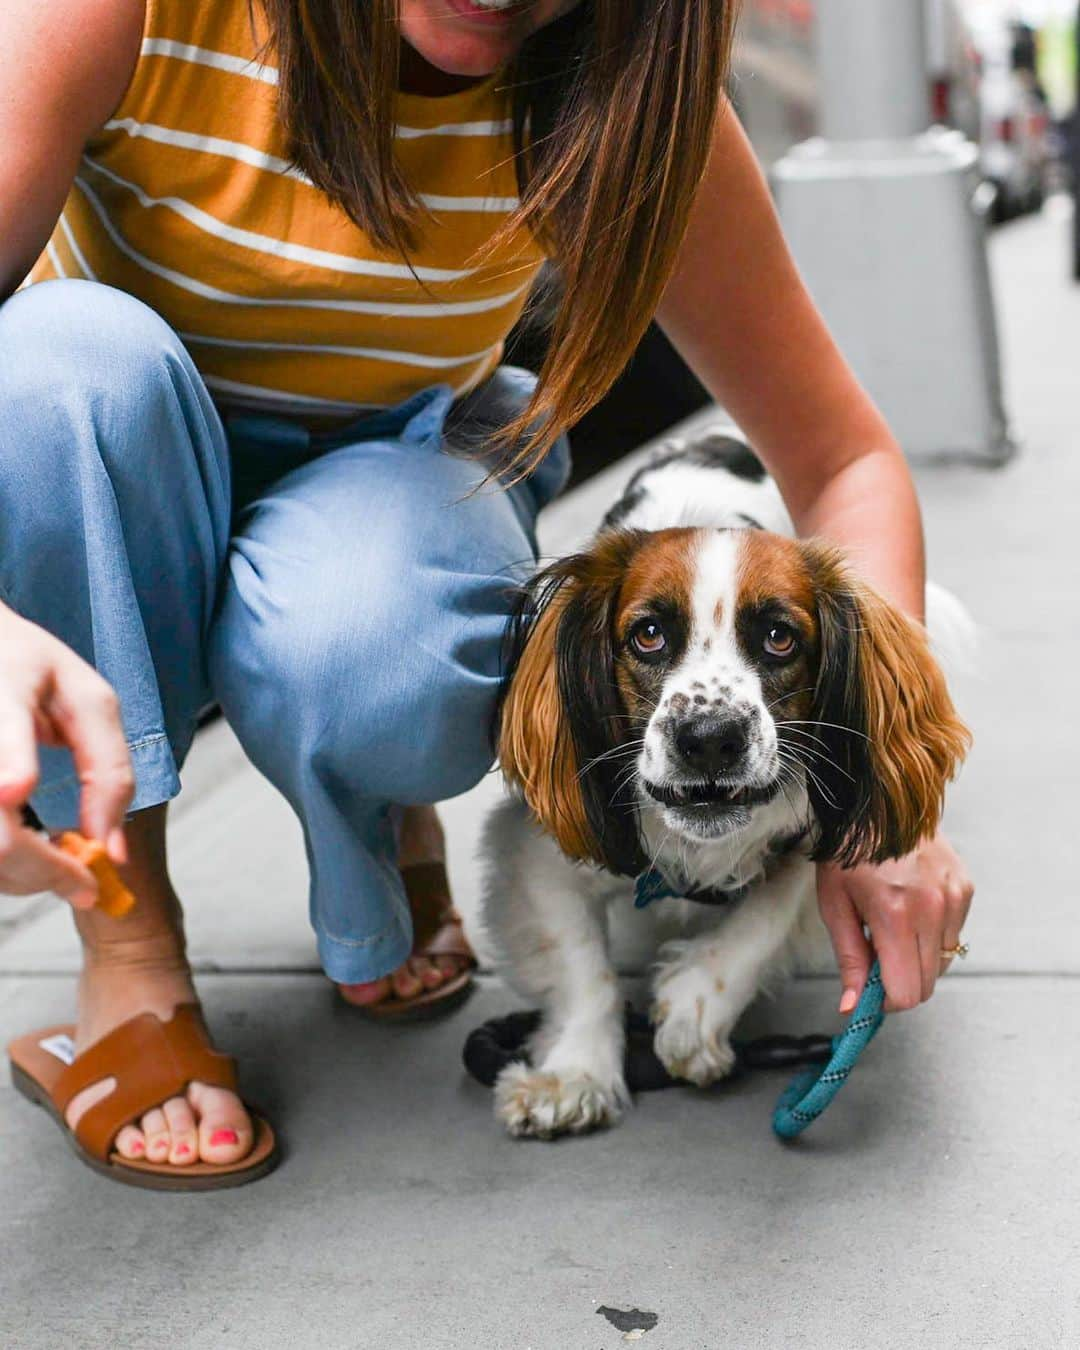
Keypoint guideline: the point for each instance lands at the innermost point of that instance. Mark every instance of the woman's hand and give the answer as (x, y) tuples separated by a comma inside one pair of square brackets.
[(48, 695), (915, 909)]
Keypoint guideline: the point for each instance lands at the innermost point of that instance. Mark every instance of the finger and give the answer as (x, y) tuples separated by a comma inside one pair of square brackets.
[(18, 753), (930, 947), (86, 711), (901, 970), (958, 897), (60, 873), (853, 952), (928, 917), (29, 863)]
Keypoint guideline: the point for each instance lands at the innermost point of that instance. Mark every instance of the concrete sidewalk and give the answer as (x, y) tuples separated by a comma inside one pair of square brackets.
[(934, 1207)]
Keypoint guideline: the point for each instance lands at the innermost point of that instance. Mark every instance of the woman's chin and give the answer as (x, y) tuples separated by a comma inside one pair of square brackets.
[(467, 41), (466, 58)]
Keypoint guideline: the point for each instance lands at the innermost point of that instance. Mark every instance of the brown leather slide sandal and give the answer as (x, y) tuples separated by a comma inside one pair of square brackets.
[(437, 931), (151, 1061)]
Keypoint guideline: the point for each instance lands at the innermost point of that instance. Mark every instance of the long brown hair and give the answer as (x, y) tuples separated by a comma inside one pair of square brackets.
[(614, 106)]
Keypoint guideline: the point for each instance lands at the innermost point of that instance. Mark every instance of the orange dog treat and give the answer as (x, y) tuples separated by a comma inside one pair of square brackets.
[(114, 898)]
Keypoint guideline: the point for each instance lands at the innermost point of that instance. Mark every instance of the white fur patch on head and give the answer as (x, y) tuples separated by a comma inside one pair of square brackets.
[(713, 677)]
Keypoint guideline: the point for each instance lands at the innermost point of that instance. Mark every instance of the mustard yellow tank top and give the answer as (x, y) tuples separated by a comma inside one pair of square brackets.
[(187, 201)]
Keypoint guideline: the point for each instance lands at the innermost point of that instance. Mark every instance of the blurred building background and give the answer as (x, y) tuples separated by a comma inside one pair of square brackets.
[(1001, 72)]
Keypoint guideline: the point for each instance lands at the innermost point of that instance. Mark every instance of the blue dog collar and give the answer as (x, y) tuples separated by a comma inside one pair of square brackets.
[(650, 886), (653, 885)]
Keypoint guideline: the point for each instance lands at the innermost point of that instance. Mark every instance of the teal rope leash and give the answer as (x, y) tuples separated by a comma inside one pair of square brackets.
[(811, 1092)]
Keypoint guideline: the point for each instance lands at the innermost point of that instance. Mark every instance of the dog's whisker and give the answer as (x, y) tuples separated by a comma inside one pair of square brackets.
[(804, 754), (814, 722), (821, 787), (796, 730), (784, 789), (621, 783), (808, 689), (616, 752)]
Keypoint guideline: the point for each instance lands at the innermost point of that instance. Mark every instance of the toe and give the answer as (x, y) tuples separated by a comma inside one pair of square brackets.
[(405, 983), (364, 994), (155, 1129), (184, 1143), (131, 1142), (225, 1132), (426, 971)]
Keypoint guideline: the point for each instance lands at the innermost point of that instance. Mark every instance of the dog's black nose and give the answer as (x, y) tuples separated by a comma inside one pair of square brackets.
[(711, 744)]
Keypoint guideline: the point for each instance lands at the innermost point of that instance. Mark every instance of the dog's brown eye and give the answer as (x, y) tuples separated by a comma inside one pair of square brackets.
[(780, 640), (648, 638)]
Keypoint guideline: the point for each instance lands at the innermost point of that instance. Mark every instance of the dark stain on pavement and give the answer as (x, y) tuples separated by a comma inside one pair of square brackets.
[(629, 1319)]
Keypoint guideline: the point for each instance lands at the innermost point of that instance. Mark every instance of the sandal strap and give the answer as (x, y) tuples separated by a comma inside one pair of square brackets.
[(151, 1061), (437, 926), (450, 940)]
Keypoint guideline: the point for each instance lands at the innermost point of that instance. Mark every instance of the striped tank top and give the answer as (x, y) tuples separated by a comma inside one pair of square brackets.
[(186, 200)]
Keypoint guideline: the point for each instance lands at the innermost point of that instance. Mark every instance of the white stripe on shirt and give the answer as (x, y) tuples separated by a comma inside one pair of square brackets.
[(280, 248), (259, 394), (258, 159), (423, 359), (252, 70), (204, 56), (54, 258), (400, 310), (77, 253), (497, 128)]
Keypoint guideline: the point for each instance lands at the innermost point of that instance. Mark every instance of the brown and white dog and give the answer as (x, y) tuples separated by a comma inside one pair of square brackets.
[(702, 697)]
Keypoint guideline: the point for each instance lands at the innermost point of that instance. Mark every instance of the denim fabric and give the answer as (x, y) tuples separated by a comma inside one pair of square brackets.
[(348, 615)]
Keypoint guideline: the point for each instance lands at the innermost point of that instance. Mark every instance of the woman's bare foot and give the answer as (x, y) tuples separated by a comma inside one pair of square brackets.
[(135, 965), (421, 840)]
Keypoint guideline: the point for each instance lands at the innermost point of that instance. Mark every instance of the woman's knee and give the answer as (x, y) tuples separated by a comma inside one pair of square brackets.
[(77, 355), (365, 699), (92, 379), (81, 331)]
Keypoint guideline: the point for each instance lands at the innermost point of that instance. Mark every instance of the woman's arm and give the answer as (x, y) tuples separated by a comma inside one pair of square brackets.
[(66, 66), (738, 312)]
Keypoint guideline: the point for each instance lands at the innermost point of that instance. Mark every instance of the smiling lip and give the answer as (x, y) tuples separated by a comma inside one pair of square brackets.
[(486, 16), (683, 796)]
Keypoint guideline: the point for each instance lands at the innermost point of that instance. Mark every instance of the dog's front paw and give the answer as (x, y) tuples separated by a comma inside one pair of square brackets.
[(542, 1105), (691, 1041)]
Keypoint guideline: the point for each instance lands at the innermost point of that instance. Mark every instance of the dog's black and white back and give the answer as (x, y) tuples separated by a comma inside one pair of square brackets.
[(699, 696)]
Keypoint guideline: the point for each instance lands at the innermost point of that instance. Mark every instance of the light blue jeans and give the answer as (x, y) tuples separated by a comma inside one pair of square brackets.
[(349, 619)]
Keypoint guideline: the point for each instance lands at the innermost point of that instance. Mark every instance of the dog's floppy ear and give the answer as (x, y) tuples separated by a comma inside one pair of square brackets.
[(890, 736), (562, 718)]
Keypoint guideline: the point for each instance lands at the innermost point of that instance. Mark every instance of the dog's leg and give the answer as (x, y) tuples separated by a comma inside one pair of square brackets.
[(702, 986), (550, 926), (575, 1082)]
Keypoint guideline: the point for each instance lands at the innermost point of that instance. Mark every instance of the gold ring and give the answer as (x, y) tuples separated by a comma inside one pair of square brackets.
[(961, 949)]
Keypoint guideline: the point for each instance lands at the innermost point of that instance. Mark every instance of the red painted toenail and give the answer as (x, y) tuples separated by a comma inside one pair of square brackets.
[(137, 1146), (181, 1149), (223, 1137)]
